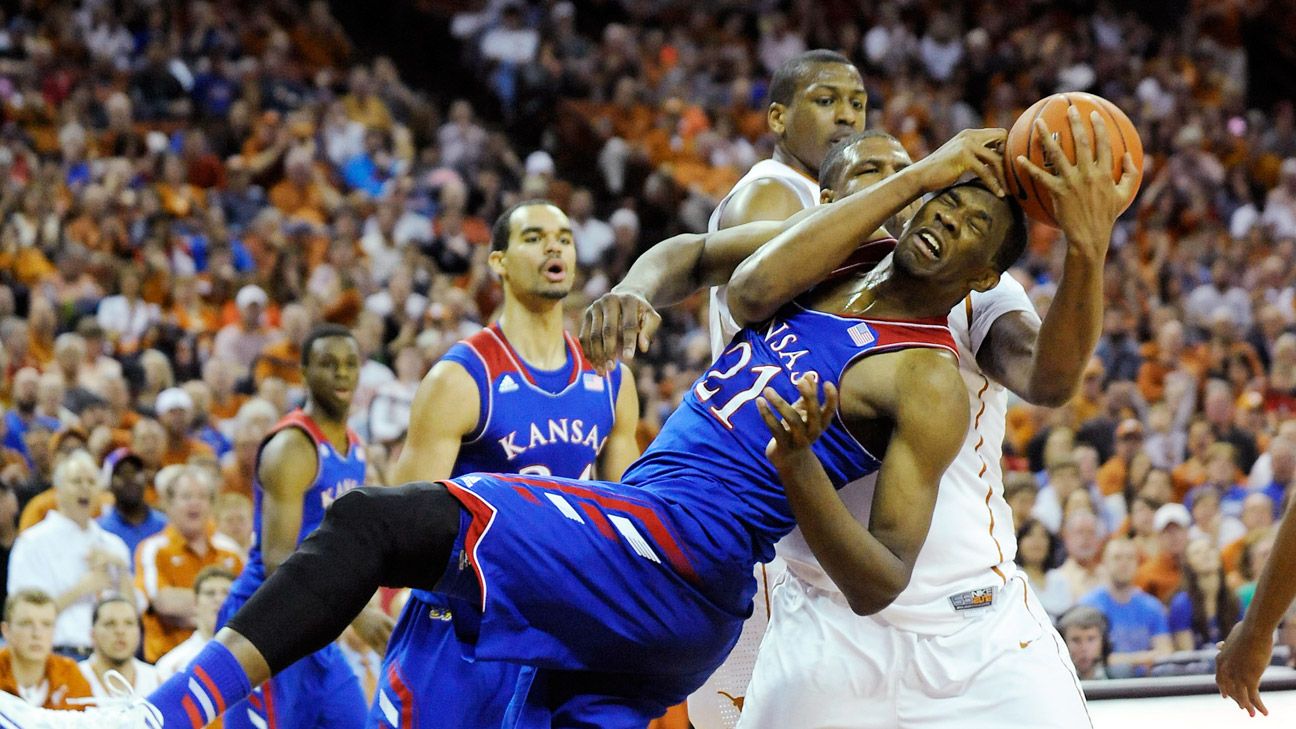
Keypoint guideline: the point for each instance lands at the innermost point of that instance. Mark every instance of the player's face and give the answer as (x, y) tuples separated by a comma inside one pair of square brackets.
[(30, 630), (954, 237), (116, 634), (332, 372), (540, 260), (867, 162), (829, 108)]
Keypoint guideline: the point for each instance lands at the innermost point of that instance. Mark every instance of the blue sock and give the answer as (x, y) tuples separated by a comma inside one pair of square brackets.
[(196, 696)]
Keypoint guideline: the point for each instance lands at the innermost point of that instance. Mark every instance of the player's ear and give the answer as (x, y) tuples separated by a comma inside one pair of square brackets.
[(826, 196), (985, 280), (775, 118), (496, 262)]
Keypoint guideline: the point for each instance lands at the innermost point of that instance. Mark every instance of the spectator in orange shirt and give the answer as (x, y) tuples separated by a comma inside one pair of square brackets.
[(362, 104), (42, 324), (238, 467), (304, 192), (1088, 403), (175, 411), (1162, 575), (234, 520), (1113, 474), (1258, 518), (241, 341), (283, 358), (28, 667), (188, 310), (179, 198), (1168, 354), (167, 563)]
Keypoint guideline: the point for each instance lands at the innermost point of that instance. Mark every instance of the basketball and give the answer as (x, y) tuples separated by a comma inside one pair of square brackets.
[(1023, 140)]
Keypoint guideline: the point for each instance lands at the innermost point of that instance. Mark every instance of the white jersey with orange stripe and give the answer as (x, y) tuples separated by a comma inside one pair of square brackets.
[(722, 324), (968, 555)]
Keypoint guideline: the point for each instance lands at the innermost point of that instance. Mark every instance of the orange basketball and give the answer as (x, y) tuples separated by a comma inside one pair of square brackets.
[(1024, 140)]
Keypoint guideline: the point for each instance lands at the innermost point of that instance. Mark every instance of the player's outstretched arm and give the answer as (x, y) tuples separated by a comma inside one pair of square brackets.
[(872, 565), (804, 254), (1043, 363), (286, 469), (445, 409), (624, 320), (1245, 653)]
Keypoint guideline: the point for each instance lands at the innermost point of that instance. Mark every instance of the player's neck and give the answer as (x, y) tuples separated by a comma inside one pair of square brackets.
[(333, 424), (898, 296), (535, 331), (781, 154)]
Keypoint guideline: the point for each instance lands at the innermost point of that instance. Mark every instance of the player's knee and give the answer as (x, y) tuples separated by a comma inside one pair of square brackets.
[(387, 512)]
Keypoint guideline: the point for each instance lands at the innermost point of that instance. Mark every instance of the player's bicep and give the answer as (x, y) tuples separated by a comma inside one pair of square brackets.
[(931, 421), (286, 469), (724, 250), (1007, 354), (446, 408), (622, 447), (765, 199)]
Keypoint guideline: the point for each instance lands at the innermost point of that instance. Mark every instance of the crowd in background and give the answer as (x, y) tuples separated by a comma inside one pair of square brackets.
[(187, 188)]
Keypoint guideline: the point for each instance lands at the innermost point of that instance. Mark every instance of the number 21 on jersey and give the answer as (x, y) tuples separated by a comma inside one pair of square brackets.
[(762, 375)]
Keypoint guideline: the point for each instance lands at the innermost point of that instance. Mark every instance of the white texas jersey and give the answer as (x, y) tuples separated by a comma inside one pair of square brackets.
[(722, 325), (968, 555)]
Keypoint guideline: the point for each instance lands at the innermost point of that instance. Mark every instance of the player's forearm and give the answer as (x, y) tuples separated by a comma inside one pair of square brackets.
[(867, 573), (668, 272), (1277, 586), (1068, 334), (804, 254)]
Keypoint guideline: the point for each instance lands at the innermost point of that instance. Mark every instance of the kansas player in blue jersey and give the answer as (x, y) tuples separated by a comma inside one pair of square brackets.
[(620, 599), (520, 397), (309, 459)]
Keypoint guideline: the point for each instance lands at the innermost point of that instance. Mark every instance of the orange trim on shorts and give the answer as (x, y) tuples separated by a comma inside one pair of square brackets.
[(765, 588), (191, 710), (976, 425), (967, 308)]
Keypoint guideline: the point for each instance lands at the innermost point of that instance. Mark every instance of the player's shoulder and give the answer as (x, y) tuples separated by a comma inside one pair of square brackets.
[(763, 198)]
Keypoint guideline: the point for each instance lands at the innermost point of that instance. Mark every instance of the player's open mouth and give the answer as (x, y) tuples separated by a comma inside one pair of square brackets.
[(929, 243), (555, 271), (342, 392)]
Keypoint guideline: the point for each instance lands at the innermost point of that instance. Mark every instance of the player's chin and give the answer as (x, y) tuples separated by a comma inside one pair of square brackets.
[(556, 292)]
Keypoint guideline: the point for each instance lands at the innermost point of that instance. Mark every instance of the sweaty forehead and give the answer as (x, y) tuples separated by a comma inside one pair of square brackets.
[(879, 148), (333, 346)]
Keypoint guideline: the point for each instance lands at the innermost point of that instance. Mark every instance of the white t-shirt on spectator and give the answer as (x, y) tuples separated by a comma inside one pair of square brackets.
[(128, 320), (51, 556), (506, 45)]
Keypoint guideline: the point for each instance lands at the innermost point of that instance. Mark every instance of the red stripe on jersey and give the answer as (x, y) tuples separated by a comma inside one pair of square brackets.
[(578, 357), (299, 419), (526, 494), (406, 698), (493, 349), (600, 521), (647, 516), (483, 515), (864, 258)]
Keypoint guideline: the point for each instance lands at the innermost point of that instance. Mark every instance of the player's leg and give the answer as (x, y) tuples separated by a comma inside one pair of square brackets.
[(370, 537), (1009, 669), (426, 681), (821, 665)]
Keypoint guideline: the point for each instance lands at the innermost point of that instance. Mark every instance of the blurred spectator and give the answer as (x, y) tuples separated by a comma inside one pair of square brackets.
[(1203, 613), (389, 412), (129, 517), (242, 341), (1037, 552), (29, 668), (126, 317), (1064, 479), (1209, 523), (1138, 632), (211, 587), (70, 557), (167, 563), (1282, 472), (1257, 548), (1219, 410), (233, 514), (283, 358), (1085, 631), (175, 412), (1020, 491), (115, 634), (1161, 575), (1113, 476), (1083, 570), (23, 415)]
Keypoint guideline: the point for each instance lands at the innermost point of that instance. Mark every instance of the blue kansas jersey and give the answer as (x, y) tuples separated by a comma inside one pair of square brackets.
[(534, 422), (711, 452), (336, 474)]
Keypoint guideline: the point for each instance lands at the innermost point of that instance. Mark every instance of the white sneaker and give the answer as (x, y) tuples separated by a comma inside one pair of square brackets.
[(122, 710)]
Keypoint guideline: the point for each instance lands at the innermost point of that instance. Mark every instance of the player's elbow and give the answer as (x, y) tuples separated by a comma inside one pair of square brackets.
[(1051, 392), (876, 596), (750, 299)]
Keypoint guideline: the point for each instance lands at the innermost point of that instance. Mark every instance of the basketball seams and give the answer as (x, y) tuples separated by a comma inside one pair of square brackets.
[(1030, 144)]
